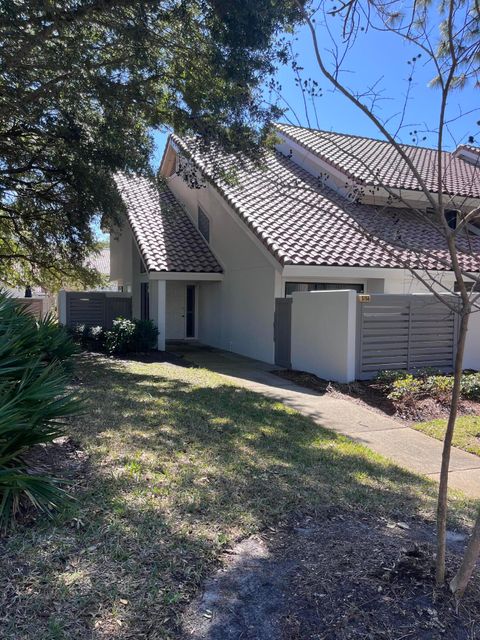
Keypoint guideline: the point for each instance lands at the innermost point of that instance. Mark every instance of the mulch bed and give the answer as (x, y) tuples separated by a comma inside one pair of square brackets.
[(335, 576), (369, 394)]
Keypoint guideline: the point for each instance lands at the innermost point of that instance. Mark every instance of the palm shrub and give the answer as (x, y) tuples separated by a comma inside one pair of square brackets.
[(34, 402), (53, 342)]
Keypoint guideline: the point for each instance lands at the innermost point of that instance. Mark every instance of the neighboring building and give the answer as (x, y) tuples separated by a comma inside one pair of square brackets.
[(101, 262), (208, 254)]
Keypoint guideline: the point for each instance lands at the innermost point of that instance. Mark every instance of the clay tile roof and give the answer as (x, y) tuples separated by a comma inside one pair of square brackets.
[(377, 162), (468, 147), (302, 223), (166, 237), (100, 261)]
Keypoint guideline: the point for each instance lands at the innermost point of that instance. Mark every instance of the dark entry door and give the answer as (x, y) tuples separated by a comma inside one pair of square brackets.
[(282, 331), (190, 319)]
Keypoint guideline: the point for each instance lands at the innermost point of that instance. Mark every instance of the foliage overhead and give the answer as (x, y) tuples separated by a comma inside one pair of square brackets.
[(82, 84)]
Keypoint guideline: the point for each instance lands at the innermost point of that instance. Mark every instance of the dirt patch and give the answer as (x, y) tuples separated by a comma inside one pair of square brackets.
[(368, 394), (335, 576), (62, 459)]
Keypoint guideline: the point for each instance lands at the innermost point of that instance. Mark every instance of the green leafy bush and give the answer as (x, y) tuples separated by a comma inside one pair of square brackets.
[(120, 338), (407, 389), (471, 386), (387, 377), (438, 387), (145, 336), (130, 336), (404, 387), (90, 338), (33, 404)]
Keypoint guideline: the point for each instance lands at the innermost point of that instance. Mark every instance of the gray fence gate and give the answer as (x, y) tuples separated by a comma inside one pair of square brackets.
[(405, 332), (95, 308), (282, 331)]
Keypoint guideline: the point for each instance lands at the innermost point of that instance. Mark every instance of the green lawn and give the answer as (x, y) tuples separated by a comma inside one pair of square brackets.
[(466, 435), (181, 464)]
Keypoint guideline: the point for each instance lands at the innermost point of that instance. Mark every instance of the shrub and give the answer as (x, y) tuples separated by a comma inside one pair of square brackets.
[(471, 386), (120, 338), (33, 404), (439, 387), (127, 336), (90, 338), (406, 389), (53, 342), (386, 378), (145, 335)]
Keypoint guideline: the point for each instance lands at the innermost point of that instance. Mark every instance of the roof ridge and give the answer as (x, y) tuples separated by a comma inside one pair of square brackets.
[(358, 137)]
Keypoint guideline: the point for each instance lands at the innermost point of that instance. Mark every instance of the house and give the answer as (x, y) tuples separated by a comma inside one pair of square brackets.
[(100, 261), (210, 250)]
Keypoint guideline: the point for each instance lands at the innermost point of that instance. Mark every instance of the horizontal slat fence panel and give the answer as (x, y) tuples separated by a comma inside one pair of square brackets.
[(405, 332), (96, 308)]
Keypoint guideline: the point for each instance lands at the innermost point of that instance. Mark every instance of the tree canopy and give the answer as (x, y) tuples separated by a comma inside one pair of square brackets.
[(82, 84)]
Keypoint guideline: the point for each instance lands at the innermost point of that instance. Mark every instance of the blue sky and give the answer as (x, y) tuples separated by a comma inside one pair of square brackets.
[(382, 58)]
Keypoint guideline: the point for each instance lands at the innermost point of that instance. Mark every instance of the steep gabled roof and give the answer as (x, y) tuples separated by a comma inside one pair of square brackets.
[(165, 235), (302, 223), (377, 162)]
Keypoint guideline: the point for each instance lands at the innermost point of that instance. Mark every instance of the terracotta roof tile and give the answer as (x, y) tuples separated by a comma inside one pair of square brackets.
[(100, 261), (166, 237), (375, 162), (303, 224)]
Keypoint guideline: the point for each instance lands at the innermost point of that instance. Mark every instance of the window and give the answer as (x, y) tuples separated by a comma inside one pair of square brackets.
[(144, 301), (203, 224), (451, 218), (469, 286), (290, 287)]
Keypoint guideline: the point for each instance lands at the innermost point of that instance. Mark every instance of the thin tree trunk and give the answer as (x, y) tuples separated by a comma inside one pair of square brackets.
[(459, 583), (447, 446)]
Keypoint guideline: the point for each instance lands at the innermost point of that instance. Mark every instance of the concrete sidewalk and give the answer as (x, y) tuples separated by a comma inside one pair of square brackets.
[(405, 446)]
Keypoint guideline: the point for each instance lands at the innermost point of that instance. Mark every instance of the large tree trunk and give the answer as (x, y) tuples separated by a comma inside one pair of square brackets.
[(447, 446), (464, 573)]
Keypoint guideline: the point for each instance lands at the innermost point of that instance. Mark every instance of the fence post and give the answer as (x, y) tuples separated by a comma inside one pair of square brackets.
[(62, 306)]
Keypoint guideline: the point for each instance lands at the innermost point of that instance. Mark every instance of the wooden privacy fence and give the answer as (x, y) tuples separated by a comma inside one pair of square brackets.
[(38, 307), (93, 308), (405, 332)]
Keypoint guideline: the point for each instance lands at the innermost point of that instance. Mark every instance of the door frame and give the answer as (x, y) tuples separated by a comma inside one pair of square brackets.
[(195, 311)]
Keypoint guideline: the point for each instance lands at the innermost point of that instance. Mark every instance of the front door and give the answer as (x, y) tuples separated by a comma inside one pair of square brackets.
[(190, 315)]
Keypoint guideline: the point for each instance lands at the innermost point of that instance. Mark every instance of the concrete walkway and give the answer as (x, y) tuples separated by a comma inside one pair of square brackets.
[(405, 446)]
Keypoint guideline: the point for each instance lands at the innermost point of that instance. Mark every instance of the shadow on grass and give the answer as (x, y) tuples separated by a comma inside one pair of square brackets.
[(181, 464)]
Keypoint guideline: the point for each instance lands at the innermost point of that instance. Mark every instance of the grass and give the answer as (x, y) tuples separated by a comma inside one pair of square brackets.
[(466, 435), (181, 465)]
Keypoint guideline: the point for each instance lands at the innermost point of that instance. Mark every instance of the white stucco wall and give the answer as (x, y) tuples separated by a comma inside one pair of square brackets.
[(471, 358), (210, 310), (237, 313), (121, 255), (323, 334)]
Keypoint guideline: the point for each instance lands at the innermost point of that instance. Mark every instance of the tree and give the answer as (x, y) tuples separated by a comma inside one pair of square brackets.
[(449, 41), (82, 84)]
